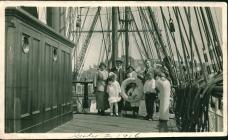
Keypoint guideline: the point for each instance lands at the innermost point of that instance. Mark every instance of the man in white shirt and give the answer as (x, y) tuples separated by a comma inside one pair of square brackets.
[(150, 95)]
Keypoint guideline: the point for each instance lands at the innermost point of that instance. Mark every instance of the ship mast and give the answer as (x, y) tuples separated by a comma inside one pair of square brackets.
[(127, 9), (114, 36)]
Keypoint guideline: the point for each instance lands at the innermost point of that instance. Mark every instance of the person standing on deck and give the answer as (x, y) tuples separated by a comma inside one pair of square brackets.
[(148, 97), (164, 87), (113, 90), (118, 70), (100, 85)]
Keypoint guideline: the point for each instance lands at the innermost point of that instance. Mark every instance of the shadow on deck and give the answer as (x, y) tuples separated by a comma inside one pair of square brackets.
[(85, 123)]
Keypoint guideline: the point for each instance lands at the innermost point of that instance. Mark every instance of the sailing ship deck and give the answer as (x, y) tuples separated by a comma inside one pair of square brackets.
[(85, 123)]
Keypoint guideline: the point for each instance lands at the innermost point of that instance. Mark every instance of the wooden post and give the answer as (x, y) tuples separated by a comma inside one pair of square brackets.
[(86, 98), (126, 35), (114, 36)]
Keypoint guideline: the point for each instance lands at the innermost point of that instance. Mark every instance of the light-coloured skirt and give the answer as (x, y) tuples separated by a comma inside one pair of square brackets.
[(164, 106)]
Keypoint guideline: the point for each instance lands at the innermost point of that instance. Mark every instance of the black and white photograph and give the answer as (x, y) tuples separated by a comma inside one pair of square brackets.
[(97, 69)]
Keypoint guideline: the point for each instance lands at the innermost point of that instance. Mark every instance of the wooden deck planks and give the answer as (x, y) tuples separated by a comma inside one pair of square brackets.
[(84, 123)]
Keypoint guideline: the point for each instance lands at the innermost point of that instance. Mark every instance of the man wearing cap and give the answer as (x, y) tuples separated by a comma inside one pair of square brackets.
[(118, 70), (148, 69)]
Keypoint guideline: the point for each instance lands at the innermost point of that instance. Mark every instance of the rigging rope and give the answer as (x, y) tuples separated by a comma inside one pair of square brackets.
[(201, 35), (153, 36), (190, 43), (185, 45), (79, 35), (75, 72), (87, 40), (197, 51), (182, 42), (219, 28), (210, 43), (203, 28), (166, 60), (138, 47), (145, 34), (216, 41), (179, 57), (168, 40), (103, 38), (147, 55)]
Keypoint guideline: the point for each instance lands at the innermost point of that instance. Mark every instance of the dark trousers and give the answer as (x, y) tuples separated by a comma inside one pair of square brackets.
[(149, 100), (135, 110), (120, 105)]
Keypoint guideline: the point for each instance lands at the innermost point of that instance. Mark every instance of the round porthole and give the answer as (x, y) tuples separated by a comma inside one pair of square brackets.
[(55, 54), (25, 44)]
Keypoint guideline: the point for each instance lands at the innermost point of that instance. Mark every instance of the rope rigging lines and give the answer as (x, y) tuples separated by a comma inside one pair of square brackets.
[(86, 42)]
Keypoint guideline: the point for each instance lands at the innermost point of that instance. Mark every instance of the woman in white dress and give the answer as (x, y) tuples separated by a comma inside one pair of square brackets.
[(164, 87)]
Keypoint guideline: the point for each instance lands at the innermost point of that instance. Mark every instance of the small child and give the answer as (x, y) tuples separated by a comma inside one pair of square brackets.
[(134, 98), (113, 90)]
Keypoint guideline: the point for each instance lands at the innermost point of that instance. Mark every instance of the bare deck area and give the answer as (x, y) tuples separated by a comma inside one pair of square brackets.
[(85, 123)]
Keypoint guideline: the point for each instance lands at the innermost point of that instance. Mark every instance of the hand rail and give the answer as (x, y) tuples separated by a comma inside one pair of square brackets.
[(85, 101)]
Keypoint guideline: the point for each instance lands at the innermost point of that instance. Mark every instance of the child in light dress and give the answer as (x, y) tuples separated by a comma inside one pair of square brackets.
[(113, 90), (134, 97)]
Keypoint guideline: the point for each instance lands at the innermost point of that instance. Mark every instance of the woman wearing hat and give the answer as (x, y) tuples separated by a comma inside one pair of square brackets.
[(131, 72), (100, 88)]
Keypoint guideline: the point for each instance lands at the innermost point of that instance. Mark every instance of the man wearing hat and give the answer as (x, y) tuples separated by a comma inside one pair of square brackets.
[(119, 71)]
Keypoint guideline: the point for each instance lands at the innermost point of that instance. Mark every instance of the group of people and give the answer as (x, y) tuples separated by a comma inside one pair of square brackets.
[(118, 90)]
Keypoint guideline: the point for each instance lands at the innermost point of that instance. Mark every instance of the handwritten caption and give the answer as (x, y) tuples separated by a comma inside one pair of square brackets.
[(106, 135)]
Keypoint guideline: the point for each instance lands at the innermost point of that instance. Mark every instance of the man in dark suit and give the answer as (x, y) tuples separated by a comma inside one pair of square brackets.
[(148, 69), (119, 71)]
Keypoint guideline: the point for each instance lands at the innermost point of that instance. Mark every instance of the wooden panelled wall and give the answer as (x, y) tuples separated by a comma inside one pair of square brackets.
[(38, 88)]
